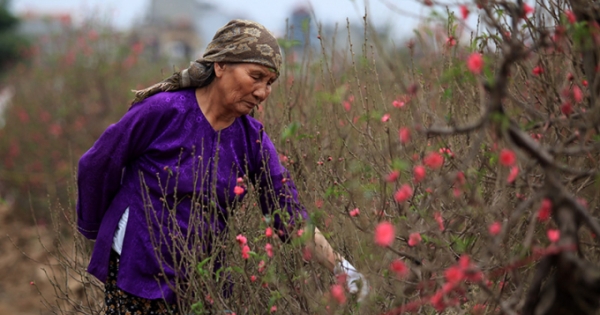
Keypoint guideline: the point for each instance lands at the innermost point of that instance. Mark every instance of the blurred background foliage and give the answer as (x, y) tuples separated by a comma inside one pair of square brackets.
[(11, 43), (67, 88)]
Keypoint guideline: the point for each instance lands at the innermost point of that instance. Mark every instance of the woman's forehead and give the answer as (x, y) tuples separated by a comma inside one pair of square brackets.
[(257, 67)]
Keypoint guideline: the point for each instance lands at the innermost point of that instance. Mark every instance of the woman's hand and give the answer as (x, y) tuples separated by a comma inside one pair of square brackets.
[(327, 257), (353, 279)]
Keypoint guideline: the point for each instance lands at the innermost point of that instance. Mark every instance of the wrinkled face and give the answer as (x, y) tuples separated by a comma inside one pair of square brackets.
[(243, 85)]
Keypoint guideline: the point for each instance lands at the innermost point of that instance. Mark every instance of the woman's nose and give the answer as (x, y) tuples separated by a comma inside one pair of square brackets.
[(262, 92)]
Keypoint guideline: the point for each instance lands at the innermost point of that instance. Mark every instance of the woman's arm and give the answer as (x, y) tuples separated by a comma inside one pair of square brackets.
[(333, 261), (324, 253)]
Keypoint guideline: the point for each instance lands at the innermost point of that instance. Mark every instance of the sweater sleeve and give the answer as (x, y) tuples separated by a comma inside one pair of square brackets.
[(100, 168), (278, 193)]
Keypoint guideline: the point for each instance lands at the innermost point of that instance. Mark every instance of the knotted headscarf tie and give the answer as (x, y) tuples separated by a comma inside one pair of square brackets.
[(238, 41)]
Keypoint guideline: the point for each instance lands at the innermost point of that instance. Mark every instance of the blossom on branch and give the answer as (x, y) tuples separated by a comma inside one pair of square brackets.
[(545, 210), (507, 157), (475, 63), (404, 193), (464, 12), (399, 267), (434, 160), (384, 234), (419, 173), (414, 239)]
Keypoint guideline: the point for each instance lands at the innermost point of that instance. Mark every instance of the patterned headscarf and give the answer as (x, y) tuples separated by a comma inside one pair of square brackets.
[(238, 41)]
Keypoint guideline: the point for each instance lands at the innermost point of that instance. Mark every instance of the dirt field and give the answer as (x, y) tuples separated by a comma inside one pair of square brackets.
[(23, 260)]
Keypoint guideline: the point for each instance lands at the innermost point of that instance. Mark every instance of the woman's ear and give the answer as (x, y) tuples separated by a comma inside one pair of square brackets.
[(219, 69)]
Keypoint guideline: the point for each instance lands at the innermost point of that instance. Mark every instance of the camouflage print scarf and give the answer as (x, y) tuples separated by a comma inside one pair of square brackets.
[(238, 41)]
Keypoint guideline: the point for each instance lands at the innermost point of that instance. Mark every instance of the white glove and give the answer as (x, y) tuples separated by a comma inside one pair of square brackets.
[(352, 279)]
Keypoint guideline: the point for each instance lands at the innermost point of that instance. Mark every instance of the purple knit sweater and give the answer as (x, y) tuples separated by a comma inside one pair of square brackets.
[(166, 142)]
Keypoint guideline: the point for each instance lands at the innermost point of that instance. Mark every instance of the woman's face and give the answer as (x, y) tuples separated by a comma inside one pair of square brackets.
[(243, 85)]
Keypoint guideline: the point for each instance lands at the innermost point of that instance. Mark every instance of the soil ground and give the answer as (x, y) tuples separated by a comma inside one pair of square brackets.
[(23, 259)]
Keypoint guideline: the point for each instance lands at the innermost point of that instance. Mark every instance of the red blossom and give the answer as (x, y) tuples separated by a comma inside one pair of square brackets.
[(385, 117), (268, 232), (447, 152), (414, 239), (440, 221), (241, 239), (341, 278), (566, 108), (392, 176), (451, 41), (460, 178), (337, 291), (433, 160), (404, 134), (456, 192), (355, 212), (384, 234), (571, 16), (454, 274), (527, 9), (437, 301), (512, 176), (495, 228), (347, 106), (238, 190), (475, 63), (577, 94), (419, 173), (464, 12), (545, 210), (245, 252), (404, 193), (398, 103), (462, 271), (269, 249), (399, 267), (507, 157), (537, 70), (553, 235)]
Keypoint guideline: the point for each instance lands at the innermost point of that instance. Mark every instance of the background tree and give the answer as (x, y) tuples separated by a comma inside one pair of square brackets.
[(11, 43)]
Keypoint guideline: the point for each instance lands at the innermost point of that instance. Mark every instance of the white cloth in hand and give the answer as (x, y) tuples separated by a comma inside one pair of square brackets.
[(353, 277)]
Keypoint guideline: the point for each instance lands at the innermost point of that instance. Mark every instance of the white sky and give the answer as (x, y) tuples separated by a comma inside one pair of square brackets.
[(271, 13)]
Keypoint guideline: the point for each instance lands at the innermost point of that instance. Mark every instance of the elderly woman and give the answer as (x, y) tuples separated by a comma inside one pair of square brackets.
[(180, 153)]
